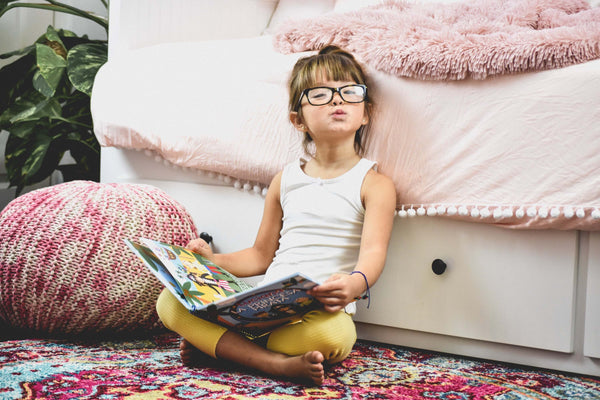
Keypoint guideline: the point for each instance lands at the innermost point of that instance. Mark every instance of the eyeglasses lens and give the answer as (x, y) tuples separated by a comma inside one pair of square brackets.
[(323, 95)]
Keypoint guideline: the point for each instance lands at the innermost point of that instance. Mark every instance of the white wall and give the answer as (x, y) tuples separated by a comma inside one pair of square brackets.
[(19, 28)]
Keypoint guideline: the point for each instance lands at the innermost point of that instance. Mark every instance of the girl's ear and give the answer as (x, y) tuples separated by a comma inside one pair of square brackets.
[(297, 122)]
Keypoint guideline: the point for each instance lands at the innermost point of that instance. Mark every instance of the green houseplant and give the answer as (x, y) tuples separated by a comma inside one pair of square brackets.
[(45, 101)]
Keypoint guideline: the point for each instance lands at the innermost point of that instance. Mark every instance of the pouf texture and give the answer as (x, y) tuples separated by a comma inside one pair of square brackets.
[(64, 265)]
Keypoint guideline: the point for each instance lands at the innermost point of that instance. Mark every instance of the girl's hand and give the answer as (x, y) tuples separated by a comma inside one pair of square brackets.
[(201, 247), (339, 290)]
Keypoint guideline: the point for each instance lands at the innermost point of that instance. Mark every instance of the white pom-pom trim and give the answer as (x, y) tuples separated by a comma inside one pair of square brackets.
[(432, 210), (402, 213), (497, 212), (250, 187)]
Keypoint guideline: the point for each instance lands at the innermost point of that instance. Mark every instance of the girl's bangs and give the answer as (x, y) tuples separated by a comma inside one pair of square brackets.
[(331, 69)]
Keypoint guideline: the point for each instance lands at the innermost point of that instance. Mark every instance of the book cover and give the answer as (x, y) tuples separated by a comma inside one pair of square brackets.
[(214, 294)]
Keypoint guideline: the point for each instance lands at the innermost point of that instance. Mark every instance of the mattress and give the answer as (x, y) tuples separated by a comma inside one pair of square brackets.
[(519, 151)]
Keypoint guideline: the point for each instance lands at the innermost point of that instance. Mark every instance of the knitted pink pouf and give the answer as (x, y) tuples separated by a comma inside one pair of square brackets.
[(64, 266)]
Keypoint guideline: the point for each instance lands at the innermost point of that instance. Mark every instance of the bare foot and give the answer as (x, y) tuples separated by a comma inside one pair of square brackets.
[(241, 351), (191, 356), (308, 366)]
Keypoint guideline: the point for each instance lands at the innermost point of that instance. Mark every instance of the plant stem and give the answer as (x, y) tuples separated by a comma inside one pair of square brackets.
[(84, 14), (59, 7), (27, 5), (69, 121)]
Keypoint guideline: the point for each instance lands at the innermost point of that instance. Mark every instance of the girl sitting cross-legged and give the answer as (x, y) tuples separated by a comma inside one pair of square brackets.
[(329, 216)]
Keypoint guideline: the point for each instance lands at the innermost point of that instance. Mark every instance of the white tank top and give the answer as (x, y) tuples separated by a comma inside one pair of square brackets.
[(322, 223)]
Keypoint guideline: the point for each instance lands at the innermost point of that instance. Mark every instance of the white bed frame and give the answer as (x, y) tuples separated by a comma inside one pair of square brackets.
[(519, 296)]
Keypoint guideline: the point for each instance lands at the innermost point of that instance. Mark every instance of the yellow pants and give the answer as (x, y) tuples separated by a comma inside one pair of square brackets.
[(333, 334)]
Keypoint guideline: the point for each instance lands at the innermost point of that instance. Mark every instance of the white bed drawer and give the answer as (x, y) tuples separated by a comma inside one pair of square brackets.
[(500, 285)]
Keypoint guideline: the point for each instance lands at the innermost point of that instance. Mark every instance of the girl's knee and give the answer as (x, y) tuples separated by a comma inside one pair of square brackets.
[(168, 309), (333, 335), (335, 340), (337, 327), (203, 335)]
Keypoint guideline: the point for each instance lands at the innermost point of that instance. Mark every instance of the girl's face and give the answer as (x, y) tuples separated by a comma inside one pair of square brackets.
[(338, 117)]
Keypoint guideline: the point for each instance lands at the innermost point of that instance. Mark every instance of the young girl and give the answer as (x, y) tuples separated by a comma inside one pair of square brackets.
[(329, 217)]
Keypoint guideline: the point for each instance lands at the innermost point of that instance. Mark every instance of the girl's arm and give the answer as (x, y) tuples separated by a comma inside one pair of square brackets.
[(256, 259), (379, 198)]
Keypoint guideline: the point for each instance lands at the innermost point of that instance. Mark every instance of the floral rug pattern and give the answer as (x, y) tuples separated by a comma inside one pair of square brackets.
[(151, 369)]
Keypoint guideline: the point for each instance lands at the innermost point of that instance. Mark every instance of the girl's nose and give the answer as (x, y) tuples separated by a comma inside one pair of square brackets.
[(337, 99)]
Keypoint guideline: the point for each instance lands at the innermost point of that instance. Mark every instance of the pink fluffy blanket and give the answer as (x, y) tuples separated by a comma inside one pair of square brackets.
[(472, 39)]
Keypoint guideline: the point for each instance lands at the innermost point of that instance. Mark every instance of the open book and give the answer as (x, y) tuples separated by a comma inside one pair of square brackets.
[(214, 294)]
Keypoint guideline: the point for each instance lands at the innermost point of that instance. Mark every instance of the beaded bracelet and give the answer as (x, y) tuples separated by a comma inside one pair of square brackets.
[(367, 295)]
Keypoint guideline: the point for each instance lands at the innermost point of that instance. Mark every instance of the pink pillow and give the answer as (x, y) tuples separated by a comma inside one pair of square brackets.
[(64, 268)]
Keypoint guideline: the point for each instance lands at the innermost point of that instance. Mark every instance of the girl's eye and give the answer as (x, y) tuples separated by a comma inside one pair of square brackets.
[(353, 90)]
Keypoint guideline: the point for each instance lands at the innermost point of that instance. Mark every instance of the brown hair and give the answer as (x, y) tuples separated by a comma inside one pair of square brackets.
[(331, 63)]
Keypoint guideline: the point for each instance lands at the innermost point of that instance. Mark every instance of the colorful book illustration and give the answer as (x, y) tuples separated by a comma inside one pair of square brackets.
[(211, 293)]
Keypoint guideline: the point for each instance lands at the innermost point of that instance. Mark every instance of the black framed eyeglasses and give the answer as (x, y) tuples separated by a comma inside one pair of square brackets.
[(321, 95)]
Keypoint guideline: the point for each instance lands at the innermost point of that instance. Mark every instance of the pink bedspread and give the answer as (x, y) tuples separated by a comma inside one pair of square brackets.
[(470, 39), (521, 151)]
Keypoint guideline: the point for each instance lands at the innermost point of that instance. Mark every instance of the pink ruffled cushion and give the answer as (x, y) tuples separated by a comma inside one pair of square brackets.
[(64, 266)]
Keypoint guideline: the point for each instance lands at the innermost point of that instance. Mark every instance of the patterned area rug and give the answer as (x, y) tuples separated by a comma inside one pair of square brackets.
[(151, 369)]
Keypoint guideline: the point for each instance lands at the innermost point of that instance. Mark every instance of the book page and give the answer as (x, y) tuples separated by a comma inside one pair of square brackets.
[(157, 267), (202, 281)]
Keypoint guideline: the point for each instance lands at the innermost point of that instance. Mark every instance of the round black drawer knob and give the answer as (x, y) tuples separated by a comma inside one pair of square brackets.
[(206, 237), (438, 266)]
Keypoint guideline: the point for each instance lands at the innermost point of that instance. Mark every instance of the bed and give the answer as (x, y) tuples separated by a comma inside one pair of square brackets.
[(495, 251)]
